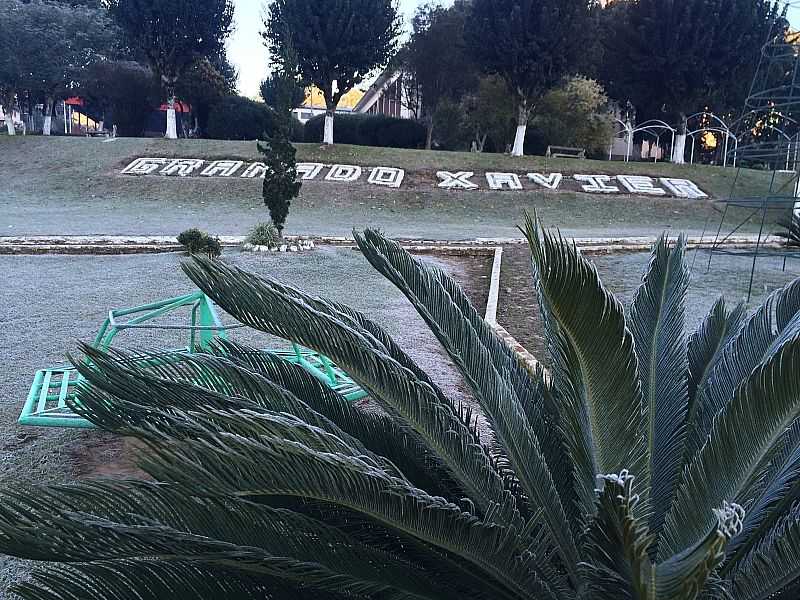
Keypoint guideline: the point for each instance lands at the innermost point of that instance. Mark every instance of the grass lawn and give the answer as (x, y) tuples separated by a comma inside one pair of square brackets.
[(71, 186)]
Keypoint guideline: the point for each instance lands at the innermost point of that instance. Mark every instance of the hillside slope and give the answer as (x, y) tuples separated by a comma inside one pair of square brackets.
[(73, 186)]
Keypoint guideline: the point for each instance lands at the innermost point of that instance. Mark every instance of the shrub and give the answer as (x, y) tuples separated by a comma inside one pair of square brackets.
[(280, 177), (196, 241), (268, 484), (573, 114), (238, 118), (264, 234), (369, 130)]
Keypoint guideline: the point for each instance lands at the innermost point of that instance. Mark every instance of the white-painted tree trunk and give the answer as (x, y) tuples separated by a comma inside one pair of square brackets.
[(48, 117), (522, 127), (328, 135), (8, 111), (679, 148), (172, 124), (10, 123), (519, 141)]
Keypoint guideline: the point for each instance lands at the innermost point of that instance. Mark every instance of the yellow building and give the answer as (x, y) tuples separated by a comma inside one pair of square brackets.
[(315, 103)]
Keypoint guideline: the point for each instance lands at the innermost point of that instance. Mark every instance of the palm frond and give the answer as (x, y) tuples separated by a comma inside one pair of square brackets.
[(278, 455), (747, 350), (777, 492), (618, 542), (136, 520), (743, 433), (706, 345), (472, 345), (774, 571), (657, 321), (686, 575), (595, 367), (151, 580), (262, 304)]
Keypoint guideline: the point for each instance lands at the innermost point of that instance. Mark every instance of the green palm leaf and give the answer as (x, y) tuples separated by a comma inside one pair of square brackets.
[(263, 304), (657, 323), (774, 570), (470, 343), (595, 367), (706, 345), (151, 580), (743, 433), (773, 498), (277, 455), (751, 345)]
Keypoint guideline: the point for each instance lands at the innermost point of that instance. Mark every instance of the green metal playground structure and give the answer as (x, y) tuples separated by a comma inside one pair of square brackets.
[(47, 402)]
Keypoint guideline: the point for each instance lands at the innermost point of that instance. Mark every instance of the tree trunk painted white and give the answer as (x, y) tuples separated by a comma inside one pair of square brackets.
[(679, 149), (522, 128), (8, 112), (328, 135), (48, 116), (172, 124)]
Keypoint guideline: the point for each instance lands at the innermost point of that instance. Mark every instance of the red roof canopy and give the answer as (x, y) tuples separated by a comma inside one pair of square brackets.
[(74, 101), (181, 107)]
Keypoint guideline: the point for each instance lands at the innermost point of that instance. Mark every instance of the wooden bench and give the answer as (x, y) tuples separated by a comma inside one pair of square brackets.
[(565, 152)]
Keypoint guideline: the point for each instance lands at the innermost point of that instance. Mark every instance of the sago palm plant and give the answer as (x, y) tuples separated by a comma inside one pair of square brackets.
[(647, 464)]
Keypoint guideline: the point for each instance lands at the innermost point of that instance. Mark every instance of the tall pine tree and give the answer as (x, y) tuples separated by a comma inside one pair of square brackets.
[(674, 57)]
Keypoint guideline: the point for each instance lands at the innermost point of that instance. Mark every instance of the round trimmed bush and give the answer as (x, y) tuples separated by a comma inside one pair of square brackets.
[(239, 118)]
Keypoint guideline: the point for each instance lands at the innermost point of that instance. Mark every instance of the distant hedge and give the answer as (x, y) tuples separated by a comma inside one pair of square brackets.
[(368, 130), (239, 118)]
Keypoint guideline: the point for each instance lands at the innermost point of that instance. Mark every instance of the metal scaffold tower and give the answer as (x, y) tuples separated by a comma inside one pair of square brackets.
[(768, 138)]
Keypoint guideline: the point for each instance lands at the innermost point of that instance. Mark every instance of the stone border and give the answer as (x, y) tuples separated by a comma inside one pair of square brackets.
[(121, 244), (494, 288)]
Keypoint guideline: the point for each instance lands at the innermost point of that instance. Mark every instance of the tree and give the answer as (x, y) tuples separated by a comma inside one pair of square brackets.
[(488, 114), (531, 44), (172, 34), (280, 177), (202, 86), (81, 36), (25, 50), (337, 43), (438, 58), (674, 58), (575, 113), (127, 90), (281, 92), (617, 475)]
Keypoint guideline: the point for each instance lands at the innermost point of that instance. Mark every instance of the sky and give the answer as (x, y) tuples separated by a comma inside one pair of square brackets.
[(246, 50)]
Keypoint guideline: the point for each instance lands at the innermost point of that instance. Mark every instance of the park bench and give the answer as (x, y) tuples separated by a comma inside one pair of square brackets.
[(565, 152), (53, 389)]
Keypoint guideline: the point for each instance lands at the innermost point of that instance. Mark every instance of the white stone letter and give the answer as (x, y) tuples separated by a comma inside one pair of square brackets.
[(257, 169), (182, 167), (144, 166), (683, 188), (639, 184), (388, 176), (497, 181), (222, 168), (597, 184), (344, 173), (551, 182), (456, 181), (309, 171)]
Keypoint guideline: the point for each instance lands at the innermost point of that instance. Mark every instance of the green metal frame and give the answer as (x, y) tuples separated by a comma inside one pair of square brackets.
[(46, 404)]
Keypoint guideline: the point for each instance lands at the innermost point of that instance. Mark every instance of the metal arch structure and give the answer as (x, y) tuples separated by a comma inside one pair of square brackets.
[(650, 127), (720, 127), (768, 138), (627, 129)]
